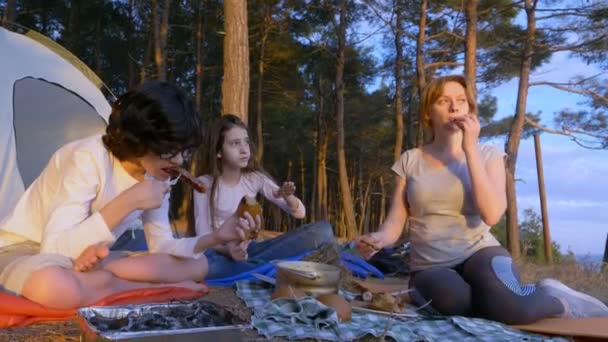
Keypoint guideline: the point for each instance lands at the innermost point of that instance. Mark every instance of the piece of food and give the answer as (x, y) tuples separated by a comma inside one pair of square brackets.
[(287, 292), (367, 296), (195, 183), (386, 302), (338, 303), (251, 206)]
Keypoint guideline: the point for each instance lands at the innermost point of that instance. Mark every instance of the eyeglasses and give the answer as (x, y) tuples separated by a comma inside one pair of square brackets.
[(186, 154)]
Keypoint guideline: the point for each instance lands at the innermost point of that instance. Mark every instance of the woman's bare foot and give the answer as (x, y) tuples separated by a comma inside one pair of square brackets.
[(90, 257)]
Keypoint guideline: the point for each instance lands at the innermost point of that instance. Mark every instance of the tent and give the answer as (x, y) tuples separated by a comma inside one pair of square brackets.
[(47, 98)]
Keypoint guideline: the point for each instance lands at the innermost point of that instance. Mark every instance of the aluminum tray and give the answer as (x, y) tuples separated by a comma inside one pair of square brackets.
[(231, 331)]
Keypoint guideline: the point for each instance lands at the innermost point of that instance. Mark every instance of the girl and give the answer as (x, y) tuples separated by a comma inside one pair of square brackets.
[(230, 173), (450, 191), (54, 244)]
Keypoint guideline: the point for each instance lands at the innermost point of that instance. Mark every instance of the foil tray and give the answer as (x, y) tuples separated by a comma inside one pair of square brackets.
[(94, 323)]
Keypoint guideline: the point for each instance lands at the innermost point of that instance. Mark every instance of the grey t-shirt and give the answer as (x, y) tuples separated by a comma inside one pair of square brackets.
[(444, 224)]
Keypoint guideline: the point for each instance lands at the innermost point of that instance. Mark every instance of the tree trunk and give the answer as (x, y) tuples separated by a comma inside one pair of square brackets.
[(548, 246), (73, 27), (411, 120), (235, 84), (364, 207), (10, 13), (131, 46), (398, 105), (261, 66), (321, 210), (147, 55), (161, 31), (347, 201), (200, 39), (420, 73), (302, 176), (382, 201), (470, 47), (98, 35), (516, 130), (44, 18)]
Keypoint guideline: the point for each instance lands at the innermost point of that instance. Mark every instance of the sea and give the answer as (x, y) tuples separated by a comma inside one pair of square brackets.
[(592, 260)]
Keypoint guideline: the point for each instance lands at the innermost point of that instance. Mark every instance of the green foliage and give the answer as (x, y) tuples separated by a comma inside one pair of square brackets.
[(499, 231), (531, 238), (502, 51), (300, 63)]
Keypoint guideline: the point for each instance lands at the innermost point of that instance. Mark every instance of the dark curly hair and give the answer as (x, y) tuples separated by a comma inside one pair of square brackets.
[(155, 117)]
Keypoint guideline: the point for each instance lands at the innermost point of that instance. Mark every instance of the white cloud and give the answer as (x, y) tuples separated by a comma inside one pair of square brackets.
[(576, 183)]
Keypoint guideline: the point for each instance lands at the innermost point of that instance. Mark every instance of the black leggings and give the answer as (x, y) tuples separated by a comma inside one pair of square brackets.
[(486, 285)]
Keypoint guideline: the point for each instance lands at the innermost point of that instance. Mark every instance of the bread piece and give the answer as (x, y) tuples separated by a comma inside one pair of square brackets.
[(251, 206)]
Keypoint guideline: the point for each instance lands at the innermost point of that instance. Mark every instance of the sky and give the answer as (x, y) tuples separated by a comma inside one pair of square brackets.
[(576, 179)]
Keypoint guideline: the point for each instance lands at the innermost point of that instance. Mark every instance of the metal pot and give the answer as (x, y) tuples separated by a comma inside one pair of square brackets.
[(311, 277)]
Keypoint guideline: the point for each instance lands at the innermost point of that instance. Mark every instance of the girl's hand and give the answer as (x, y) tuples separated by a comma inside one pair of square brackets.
[(286, 190), (237, 228), (369, 244), (238, 251), (469, 124), (90, 258), (148, 194)]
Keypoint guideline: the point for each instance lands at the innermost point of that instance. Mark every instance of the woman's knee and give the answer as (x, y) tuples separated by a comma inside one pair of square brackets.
[(55, 287)]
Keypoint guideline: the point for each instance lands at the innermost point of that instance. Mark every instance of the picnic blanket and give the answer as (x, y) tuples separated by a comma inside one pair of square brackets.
[(355, 264), (18, 311), (307, 318)]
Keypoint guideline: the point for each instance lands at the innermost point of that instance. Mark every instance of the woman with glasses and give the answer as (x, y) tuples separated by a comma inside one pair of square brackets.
[(54, 245)]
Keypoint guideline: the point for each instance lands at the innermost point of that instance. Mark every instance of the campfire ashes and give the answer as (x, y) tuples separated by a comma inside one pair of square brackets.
[(187, 317)]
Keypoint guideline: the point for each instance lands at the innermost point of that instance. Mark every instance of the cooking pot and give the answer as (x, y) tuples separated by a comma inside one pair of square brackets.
[(311, 277)]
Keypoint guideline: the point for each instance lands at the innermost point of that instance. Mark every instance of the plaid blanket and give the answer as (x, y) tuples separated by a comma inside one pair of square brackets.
[(307, 318)]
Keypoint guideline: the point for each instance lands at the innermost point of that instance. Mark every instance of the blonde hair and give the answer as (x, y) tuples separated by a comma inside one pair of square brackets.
[(433, 91)]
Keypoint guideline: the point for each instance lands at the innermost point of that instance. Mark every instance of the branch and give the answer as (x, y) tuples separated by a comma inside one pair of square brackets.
[(562, 86), (567, 132), (577, 47), (443, 33), (576, 131), (543, 128), (389, 22), (370, 35), (440, 64)]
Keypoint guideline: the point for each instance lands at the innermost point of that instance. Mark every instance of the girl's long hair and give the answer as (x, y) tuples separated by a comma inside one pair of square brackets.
[(212, 165)]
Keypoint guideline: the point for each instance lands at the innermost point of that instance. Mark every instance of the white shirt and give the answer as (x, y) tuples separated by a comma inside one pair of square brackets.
[(60, 210), (227, 199)]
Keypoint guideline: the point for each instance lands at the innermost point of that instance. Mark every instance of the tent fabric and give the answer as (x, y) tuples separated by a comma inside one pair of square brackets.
[(61, 86), (67, 117), (17, 311)]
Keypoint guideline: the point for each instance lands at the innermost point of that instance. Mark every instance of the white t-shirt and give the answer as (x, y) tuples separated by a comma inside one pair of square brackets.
[(227, 199), (445, 227), (60, 210)]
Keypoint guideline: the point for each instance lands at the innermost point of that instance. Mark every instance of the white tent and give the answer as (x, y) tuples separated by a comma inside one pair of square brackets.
[(47, 98)]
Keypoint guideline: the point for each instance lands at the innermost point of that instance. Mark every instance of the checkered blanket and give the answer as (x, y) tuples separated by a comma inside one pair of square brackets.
[(307, 318)]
